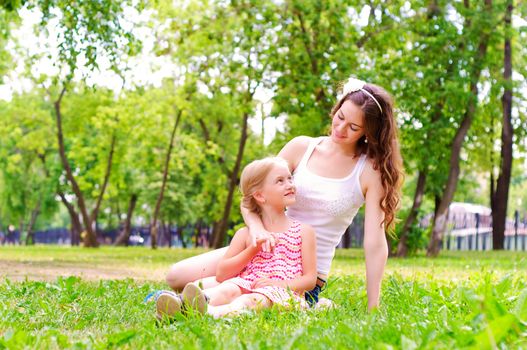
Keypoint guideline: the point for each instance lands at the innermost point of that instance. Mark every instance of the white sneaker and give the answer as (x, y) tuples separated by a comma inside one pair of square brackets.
[(325, 303), (194, 298), (168, 304)]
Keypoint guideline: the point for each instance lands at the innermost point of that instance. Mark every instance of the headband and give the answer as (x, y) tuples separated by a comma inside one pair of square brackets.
[(353, 85)]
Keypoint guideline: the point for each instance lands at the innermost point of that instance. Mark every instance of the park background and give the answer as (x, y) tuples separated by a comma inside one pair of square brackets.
[(128, 122)]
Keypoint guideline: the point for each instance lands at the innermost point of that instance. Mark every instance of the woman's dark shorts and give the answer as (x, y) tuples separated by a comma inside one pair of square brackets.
[(312, 295)]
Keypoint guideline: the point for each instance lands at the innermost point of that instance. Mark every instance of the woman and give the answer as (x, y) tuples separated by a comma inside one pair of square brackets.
[(358, 163)]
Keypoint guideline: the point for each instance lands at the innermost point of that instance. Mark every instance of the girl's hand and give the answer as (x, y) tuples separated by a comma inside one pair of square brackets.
[(262, 238), (266, 282)]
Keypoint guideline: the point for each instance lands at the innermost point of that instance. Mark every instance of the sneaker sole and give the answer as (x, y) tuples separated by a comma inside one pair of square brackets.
[(194, 298), (167, 306)]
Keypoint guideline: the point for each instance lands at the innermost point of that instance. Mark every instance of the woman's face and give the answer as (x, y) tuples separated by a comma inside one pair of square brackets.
[(347, 126)]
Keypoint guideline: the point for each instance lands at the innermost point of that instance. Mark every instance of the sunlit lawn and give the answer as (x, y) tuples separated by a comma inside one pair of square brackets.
[(459, 300)]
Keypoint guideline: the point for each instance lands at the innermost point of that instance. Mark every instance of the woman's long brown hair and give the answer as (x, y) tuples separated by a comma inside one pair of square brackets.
[(382, 145)]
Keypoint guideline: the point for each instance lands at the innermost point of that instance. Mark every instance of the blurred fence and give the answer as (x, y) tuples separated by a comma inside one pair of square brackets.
[(473, 231), (174, 236), (469, 227)]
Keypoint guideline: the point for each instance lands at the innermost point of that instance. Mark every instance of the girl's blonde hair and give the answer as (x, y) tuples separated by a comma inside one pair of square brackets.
[(253, 177)]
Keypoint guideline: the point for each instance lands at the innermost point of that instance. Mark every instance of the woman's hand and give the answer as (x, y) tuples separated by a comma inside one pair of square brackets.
[(266, 282), (257, 231), (262, 238)]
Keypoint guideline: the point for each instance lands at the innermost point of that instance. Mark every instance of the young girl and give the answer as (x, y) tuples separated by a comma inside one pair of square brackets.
[(249, 277)]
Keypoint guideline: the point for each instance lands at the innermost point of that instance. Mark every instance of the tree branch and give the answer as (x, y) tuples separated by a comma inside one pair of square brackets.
[(95, 210)]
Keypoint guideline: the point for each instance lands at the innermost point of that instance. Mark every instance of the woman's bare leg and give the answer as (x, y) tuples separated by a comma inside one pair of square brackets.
[(207, 282), (198, 267), (252, 301)]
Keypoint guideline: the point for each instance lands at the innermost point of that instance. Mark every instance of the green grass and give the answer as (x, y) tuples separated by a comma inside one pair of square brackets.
[(459, 300)]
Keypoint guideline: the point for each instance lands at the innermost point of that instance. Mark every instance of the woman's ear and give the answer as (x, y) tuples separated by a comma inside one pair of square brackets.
[(259, 197)]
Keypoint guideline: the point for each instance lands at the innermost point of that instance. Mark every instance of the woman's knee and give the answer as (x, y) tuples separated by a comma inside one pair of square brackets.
[(194, 268), (177, 277)]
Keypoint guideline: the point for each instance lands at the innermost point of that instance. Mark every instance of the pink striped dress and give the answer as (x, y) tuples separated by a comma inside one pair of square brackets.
[(284, 263)]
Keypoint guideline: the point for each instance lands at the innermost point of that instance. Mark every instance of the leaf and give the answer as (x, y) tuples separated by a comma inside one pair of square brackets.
[(495, 331), (121, 338), (520, 310), (407, 343)]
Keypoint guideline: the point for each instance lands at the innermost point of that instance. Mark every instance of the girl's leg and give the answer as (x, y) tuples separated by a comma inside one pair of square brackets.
[(223, 294), (252, 301), (195, 268)]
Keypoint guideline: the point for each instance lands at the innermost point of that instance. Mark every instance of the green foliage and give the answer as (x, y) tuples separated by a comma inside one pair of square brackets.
[(28, 178), (89, 29)]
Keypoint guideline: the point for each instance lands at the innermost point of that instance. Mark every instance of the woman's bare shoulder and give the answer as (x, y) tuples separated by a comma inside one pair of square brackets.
[(293, 151), (299, 142), (370, 177)]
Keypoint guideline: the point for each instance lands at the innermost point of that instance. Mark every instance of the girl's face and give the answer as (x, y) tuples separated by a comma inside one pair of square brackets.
[(347, 126), (278, 189)]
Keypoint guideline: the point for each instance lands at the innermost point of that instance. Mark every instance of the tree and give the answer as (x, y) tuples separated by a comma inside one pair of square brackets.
[(483, 24), (27, 181), (153, 226), (500, 196), (87, 31), (430, 95)]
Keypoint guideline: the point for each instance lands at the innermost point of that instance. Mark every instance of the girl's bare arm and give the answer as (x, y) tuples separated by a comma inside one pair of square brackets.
[(238, 255)]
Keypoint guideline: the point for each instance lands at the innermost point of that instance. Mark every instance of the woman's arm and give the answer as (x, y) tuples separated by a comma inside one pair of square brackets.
[(308, 280), (309, 262), (238, 255), (375, 245), (257, 232), (292, 152)]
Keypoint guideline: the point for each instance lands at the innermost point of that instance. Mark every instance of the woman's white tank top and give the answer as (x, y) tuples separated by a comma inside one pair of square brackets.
[(328, 205)]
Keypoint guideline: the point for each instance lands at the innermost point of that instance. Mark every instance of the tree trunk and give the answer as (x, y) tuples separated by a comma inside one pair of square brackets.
[(437, 202), (20, 231), (31, 224), (179, 233), (162, 233), (219, 236), (492, 177), (501, 195), (402, 247), (76, 227), (169, 234), (90, 238), (197, 233), (95, 211), (153, 226), (124, 236), (453, 175)]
